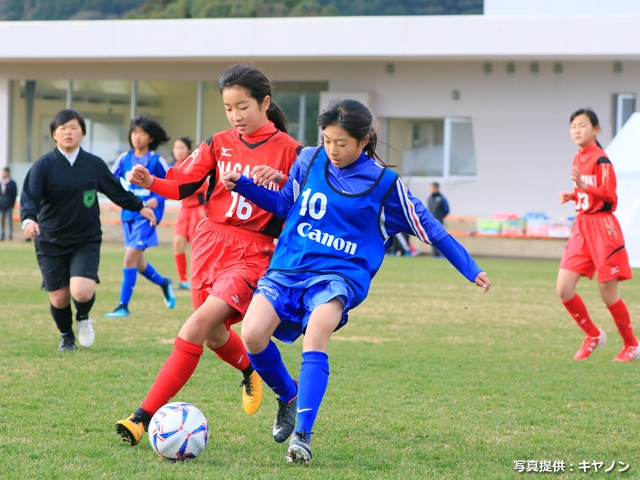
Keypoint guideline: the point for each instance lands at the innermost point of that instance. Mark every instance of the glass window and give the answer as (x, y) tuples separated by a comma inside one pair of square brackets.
[(300, 102), (625, 106), (462, 156), (432, 147)]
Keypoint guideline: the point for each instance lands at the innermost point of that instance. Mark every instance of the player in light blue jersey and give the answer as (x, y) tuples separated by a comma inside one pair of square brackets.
[(342, 205), (145, 135)]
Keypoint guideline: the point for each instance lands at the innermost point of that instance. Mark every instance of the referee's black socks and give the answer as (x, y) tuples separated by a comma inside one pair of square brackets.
[(62, 317), (83, 308)]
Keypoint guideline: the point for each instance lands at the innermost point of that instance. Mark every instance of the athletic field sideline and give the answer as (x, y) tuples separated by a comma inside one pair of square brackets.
[(430, 379)]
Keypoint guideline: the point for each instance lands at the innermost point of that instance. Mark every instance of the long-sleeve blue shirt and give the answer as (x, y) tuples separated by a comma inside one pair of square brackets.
[(402, 212)]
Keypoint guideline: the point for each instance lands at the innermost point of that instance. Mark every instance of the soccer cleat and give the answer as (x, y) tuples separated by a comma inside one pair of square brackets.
[(184, 286), (132, 429), (285, 419), (67, 343), (628, 354), (86, 336), (299, 449), (167, 293), (119, 312), (589, 345), (251, 393)]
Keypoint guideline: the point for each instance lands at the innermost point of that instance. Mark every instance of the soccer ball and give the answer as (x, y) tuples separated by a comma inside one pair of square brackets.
[(178, 431)]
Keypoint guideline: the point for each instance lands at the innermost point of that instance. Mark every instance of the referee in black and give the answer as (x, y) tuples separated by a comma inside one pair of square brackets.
[(59, 209)]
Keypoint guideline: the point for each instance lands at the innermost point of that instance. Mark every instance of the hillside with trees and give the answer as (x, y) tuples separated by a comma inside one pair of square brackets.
[(114, 9)]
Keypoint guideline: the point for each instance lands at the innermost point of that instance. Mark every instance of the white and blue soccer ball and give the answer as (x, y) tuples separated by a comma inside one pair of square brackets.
[(178, 431)]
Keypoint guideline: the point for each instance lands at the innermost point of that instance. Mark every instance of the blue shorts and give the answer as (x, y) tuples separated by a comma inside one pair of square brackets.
[(139, 234), (295, 295)]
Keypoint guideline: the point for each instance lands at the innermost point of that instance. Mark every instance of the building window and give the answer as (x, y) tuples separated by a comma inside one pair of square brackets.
[(441, 148), (300, 102), (624, 107)]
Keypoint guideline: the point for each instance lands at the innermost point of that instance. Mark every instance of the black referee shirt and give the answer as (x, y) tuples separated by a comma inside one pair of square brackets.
[(62, 197)]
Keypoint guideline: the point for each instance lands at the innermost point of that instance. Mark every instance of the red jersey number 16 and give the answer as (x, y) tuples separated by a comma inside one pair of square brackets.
[(242, 208)]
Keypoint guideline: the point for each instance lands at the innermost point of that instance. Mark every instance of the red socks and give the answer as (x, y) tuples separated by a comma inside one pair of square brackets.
[(578, 312), (181, 266), (621, 316), (173, 375), (233, 352)]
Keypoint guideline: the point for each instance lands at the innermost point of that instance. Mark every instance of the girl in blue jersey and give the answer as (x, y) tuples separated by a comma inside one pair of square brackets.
[(145, 135), (341, 206)]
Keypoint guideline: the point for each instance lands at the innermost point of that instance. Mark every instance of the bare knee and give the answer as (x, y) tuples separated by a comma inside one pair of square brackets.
[(565, 292), (609, 292), (60, 298), (255, 341), (217, 338)]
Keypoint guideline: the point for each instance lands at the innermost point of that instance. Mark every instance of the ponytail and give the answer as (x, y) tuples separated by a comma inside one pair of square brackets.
[(276, 115)]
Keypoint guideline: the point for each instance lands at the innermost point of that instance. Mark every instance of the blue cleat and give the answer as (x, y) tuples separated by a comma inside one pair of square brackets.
[(167, 293), (119, 312), (184, 286)]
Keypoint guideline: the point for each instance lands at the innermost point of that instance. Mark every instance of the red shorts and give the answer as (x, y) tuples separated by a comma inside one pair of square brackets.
[(227, 262), (597, 244), (187, 221)]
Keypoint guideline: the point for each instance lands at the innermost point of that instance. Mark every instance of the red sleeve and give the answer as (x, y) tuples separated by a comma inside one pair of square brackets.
[(166, 188), (180, 181), (606, 180)]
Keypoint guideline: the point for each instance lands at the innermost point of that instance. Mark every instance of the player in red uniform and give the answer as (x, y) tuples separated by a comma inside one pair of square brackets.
[(596, 243), (232, 248), (190, 214)]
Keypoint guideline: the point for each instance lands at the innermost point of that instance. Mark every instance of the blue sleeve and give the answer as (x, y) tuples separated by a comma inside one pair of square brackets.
[(458, 257), (405, 213), (268, 200), (118, 167), (277, 202)]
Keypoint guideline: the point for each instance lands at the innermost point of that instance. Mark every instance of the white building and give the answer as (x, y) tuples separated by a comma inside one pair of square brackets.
[(479, 103)]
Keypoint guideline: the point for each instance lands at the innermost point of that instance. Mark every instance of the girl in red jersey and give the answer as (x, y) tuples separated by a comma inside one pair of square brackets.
[(190, 214), (596, 243), (232, 247)]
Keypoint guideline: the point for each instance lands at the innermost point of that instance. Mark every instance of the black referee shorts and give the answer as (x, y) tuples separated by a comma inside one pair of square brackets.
[(59, 263)]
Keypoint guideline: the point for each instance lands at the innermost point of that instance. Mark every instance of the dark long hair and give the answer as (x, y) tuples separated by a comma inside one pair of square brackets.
[(355, 119), (591, 115), (186, 141), (64, 116), (257, 86), (153, 128)]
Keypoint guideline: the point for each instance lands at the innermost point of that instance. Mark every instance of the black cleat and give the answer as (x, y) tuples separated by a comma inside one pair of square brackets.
[(67, 343), (299, 449), (285, 419)]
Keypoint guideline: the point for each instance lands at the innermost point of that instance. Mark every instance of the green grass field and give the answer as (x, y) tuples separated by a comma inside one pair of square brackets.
[(430, 379)]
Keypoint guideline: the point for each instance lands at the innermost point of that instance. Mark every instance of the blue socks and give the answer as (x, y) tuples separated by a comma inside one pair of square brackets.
[(128, 284), (312, 385), (268, 363), (153, 276)]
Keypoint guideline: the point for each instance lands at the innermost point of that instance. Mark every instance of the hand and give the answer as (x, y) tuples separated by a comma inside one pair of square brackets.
[(147, 213), (31, 230), (152, 202), (564, 197), (482, 280), (140, 176), (263, 174), (575, 176), (229, 179)]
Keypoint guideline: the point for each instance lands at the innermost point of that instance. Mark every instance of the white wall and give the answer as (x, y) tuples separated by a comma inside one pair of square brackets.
[(560, 7), (520, 120)]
